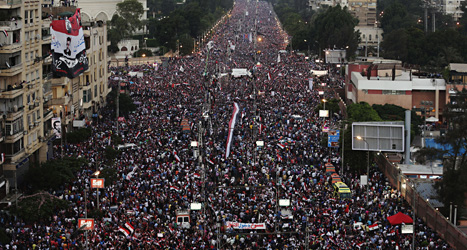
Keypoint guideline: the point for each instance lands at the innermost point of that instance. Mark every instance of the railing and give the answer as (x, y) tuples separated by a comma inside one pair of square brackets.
[(10, 2), (11, 25)]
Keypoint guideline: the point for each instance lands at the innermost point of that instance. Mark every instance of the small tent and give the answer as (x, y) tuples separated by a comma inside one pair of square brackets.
[(400, 218)]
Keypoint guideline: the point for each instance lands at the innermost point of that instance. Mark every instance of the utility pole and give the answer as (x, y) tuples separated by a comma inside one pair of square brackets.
[(118, 105)]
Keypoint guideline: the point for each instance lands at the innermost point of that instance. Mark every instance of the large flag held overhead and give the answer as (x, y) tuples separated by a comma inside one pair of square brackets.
[(68, 47), (232, 122)]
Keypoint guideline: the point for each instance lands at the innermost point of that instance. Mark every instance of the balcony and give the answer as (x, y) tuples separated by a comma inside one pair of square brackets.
[(14, 113), (46, 23), (46, 39), (12, 71), (59, 81), (11, 47), (11, 93), (11, 25), (12, 137), (60, 101), (10, 4)]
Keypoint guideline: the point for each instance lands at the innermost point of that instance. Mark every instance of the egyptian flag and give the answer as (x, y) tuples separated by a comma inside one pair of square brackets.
[(269, 76), (196, 175), (5, 33), (137, 135), (174, 188), (279, 158), (232, 122), (68, 47), (124, 231), (210, 162), (176, 156), (282, 146), (130, 227)]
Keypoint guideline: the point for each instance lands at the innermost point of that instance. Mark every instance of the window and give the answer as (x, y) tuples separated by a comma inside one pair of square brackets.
[(31, 13), (369, 37), (26, 56), (26, 16), (27, 78), (95, 90), (393, 92)]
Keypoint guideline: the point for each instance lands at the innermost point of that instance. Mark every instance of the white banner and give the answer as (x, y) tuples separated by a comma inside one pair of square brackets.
[(251, 226), (310, 83), (57, 127)]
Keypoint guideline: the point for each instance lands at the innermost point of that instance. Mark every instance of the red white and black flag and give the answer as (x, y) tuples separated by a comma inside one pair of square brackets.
[(232, 122), (68, 47)]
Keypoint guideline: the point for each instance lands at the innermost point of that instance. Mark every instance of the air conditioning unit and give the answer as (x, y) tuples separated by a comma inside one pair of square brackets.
[(25, 132), (36, 104), (37, 123), (30, 86), (31, 125), (38, 36), (31, 105), (46, 99)]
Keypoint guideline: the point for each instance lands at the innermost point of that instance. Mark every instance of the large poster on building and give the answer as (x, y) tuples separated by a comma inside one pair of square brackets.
[(68, 47), (57, 127)]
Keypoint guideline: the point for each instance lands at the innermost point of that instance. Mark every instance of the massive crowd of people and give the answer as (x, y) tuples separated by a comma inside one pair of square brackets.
[(161, 175)]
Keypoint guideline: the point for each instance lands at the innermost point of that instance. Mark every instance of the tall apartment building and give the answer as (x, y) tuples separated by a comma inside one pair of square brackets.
[(30, 96)]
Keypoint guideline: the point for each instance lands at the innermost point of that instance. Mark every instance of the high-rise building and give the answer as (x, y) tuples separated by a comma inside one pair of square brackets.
[(30, 96)]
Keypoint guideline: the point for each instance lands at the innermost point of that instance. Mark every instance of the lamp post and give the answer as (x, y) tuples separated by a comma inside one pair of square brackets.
[(324, 101), (97, 176), (367, 168)]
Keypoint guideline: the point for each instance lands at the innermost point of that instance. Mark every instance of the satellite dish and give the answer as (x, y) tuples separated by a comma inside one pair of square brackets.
[(7, 64)]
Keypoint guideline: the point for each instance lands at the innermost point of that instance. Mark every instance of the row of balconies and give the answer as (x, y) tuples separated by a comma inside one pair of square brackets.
[(10, 4), (11, 25)]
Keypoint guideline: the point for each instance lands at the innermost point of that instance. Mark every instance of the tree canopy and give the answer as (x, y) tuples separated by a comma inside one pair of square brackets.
[(125, 22)]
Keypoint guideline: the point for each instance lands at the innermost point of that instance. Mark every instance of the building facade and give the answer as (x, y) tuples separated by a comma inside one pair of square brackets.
[(30, 96), (389, 83)]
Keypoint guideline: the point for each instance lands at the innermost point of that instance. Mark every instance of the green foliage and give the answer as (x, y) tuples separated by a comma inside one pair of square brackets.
[(53, 174), (131, 12), (110, 153), (124, 22), (331, 28), (184, 22), (332, 105), (362, 112), (79, 135), (109, 174), (39, 207), (405, 38), (126, 103)]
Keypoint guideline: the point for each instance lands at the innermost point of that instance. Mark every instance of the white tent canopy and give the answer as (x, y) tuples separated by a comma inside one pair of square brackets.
[(432, 119)]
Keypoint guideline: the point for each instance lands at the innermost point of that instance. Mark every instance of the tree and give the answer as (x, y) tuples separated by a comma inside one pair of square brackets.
[(362, 112), (53, 174), (335, 28), (126, 104), (126, 21), (131, 12), (358, 112), (452, 187), (39, 207)]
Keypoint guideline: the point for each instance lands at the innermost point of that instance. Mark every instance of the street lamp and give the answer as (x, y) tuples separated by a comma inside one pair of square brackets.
[(324, 101), (97, 189), (367, 169)]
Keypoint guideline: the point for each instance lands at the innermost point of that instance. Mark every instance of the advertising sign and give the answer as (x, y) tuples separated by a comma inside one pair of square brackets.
[(86, 224), (97, 183), (333, 138)]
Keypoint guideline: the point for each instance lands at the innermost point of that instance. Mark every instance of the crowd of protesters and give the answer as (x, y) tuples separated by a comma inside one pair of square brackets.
[(161, 175)]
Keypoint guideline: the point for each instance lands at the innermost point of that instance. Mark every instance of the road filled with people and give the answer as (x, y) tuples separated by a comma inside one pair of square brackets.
[(234, 128)]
